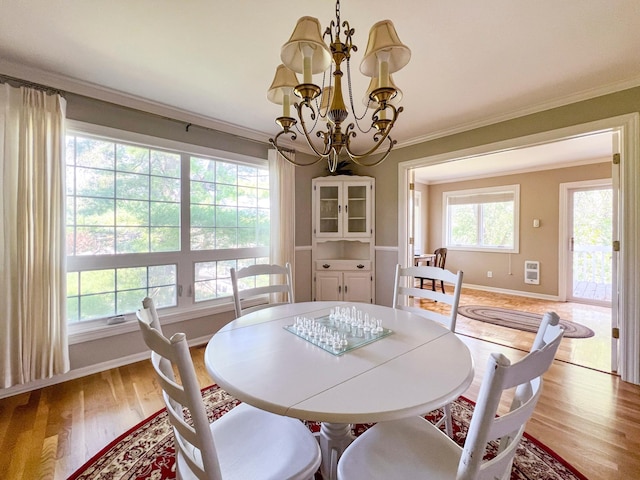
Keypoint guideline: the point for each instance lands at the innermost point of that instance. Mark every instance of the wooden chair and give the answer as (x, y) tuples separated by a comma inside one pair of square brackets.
[(244, 443), (438, 261), (405, 293), (259, 280), (413, 448)]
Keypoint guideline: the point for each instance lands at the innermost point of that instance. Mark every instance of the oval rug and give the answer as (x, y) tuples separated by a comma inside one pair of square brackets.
[(525, 321)]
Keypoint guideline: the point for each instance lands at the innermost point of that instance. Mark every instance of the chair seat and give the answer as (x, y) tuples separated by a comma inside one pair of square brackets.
[(412, 448), (247, 439)]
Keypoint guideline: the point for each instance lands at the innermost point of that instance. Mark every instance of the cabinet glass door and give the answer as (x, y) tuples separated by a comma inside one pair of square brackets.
[(329, 209), (356, 209)]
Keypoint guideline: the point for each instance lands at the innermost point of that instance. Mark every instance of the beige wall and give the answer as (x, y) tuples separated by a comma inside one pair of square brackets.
[(386, 174), (112, 349), (539, 198)]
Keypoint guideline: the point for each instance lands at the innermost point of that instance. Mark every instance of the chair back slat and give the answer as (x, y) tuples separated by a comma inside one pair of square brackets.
[(279, 289), (405, 294)]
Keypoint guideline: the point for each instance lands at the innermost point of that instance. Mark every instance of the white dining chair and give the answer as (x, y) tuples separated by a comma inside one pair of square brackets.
[(407, 297), (414, 448), (245, 443), (261, 280)]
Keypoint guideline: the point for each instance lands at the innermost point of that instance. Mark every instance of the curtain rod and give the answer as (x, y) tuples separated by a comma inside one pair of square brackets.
[(18, 82)]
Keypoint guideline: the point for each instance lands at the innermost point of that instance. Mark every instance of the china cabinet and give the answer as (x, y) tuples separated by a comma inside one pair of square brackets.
[(343, 238)]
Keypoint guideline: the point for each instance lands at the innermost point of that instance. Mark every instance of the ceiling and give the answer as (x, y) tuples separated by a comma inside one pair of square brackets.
[(210, 63)]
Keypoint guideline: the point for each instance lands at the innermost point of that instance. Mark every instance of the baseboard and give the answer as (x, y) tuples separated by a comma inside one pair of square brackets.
[(84, 371), (518, 293)]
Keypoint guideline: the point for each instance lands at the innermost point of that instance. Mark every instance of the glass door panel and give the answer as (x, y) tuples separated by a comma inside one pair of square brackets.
[(329, 209)]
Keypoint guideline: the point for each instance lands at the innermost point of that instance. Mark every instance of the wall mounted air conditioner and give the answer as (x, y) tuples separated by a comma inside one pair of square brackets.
[(532, 272)]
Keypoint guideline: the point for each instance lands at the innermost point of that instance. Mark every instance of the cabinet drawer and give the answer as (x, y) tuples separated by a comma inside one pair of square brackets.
[(359, 265)]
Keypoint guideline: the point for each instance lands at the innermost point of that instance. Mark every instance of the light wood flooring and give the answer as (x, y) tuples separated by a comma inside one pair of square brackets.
[(590, 418), (594, 352)]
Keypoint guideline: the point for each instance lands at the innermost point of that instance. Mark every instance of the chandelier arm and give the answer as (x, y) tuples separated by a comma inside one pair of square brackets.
[(384, 135), (284, 153), (305, 132), (356, 158)]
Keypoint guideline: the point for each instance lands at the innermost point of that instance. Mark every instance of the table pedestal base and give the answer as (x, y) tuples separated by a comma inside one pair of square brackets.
[(334, 439)]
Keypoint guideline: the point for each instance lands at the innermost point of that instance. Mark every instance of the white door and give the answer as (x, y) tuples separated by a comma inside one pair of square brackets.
[(590, 274)]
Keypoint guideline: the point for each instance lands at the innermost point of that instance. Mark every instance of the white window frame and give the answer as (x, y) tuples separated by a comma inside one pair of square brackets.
[(513, 189), (186, 307)]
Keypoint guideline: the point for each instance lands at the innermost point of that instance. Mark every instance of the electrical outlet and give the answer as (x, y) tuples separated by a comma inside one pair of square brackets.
[(489, 274)]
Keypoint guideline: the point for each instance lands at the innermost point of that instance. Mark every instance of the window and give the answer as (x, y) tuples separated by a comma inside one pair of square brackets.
[(482, 219), (147, 220)]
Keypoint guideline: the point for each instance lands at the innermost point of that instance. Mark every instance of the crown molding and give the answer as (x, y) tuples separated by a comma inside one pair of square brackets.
[(540, 107), (71, 85), (87, 89)]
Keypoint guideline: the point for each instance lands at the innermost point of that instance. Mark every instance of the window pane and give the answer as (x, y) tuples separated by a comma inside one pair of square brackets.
[(203, 169), (226, 173), (165, 189), (131, 185), (130, 158), (162, 275), (95, 241), (94, 182), (203, 216), (132, 239), (484, 218), (94, 153), (131, 278), (203, 238), (165, 239), (94, 294), (97, 306), (165, 214), (165, 164), (464, 225), (497, 225), (131, 212), (116, 191)]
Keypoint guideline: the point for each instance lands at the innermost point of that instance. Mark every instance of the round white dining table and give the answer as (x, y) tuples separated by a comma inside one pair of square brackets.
[(419, 367)]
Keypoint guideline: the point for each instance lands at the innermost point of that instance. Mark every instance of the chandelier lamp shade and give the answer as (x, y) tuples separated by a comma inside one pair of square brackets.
[(307, 54)]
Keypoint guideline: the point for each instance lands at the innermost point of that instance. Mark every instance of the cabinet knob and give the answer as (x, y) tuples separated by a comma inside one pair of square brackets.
[(326, 265), (360, 265)]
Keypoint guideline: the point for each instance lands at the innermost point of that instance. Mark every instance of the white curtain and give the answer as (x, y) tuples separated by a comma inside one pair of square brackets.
[(33, 334), (282, 194)]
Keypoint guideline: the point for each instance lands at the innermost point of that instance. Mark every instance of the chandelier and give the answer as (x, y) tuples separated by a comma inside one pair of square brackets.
[(307, 53)]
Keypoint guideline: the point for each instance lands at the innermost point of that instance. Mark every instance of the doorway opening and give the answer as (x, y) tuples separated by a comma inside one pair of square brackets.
[(624, 296)]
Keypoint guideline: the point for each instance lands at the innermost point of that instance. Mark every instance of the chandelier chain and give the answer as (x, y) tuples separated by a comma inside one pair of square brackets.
[(353, 109)]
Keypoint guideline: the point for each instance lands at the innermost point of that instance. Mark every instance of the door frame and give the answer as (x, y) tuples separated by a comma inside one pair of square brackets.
[(628, 299)]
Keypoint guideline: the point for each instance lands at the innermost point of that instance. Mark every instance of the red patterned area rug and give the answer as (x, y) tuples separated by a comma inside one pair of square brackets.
[(146, 451)]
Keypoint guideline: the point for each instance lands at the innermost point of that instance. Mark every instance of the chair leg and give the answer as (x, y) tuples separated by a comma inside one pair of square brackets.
[(442, 286)]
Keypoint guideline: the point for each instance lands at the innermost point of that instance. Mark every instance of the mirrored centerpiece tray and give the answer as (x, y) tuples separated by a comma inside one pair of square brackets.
[(343, 330)]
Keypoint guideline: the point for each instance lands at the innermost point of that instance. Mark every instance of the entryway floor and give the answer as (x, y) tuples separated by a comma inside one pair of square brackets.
[(594, 352)]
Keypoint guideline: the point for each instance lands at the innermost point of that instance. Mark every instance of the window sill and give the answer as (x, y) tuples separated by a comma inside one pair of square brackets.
[(98, 329)]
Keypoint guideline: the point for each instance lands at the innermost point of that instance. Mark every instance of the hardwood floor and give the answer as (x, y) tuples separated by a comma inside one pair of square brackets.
[(590, 418), (594, 352)]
